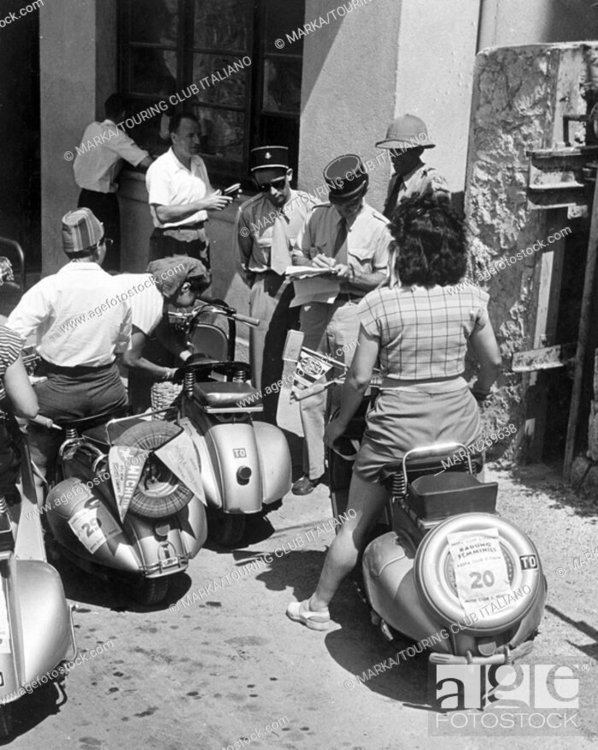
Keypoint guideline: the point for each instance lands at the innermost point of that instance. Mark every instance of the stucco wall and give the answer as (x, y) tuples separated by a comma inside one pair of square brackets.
[(348, 88), (520, 95), (77, 38)]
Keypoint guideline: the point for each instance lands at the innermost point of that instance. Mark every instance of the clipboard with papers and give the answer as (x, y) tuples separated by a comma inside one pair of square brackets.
[(312, 285)]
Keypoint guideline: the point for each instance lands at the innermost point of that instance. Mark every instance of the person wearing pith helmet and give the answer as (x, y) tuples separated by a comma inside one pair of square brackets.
[(265, 231), (406, 139), (349, 240)]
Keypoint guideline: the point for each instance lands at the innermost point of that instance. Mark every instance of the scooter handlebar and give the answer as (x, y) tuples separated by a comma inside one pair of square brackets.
[(45, 422), (246, 319)]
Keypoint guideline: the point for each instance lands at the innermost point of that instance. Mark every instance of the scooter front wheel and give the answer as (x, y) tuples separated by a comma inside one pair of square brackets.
[(150, 591), (225, 529)]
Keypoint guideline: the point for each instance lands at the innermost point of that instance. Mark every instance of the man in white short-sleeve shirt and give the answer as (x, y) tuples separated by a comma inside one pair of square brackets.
[(180, 195), (104, 148)]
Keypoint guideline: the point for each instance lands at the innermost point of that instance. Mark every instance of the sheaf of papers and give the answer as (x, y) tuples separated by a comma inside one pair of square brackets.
[(305, 272), (315, 290)]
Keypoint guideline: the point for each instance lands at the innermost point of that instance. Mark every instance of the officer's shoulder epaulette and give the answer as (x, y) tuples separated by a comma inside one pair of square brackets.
[(378, 215), (249, 202)]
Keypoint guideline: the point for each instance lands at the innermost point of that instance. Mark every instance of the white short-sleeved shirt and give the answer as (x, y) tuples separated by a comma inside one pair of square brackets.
[(77, 316), (170, 183), (147, 304), (99, 156)]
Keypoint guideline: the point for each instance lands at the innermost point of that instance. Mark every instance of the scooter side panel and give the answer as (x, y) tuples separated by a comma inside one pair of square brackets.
[(208, 477), (193, 526), (390, 585), (36, 598), (275, 461), (233, 449), (117, 552)]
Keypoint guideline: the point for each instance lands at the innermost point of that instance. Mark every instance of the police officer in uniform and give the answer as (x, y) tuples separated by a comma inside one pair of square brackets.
[(266, 228), (349, 239), (406, 139)]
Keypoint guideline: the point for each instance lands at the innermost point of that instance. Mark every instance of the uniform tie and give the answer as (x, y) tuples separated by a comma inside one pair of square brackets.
[(340, 244), (280, 257), (391, 203)]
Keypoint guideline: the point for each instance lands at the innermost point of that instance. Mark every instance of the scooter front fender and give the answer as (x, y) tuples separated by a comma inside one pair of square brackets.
[(41, 635)]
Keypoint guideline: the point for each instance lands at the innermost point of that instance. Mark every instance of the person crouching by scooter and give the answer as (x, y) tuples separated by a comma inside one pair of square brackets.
[(78, 332), (155, 351), (419, 330)]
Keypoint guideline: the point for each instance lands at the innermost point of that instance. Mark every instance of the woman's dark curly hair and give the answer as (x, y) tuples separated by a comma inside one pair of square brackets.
[(430, 241)]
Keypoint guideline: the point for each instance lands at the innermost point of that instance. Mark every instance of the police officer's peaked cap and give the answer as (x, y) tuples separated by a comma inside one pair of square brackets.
[(406, 132), (269, 157), (346, 176)]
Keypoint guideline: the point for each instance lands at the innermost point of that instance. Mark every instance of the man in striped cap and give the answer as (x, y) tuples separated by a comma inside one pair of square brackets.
[(78, 321)]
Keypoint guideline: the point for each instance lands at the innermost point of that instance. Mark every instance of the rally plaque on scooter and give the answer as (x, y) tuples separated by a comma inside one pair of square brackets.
[(480, 568)]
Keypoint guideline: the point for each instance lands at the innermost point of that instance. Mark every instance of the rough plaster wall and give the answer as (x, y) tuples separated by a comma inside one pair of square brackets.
[(520, 94), (436, 54), (348, 89)]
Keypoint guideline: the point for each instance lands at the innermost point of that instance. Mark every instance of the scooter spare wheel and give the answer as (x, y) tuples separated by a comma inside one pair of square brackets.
[(159, 492), (479, 570)]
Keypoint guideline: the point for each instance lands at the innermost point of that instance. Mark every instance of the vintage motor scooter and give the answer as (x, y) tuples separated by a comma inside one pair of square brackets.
[(245, 463), (36, 628), (451, 574), (128, 503)]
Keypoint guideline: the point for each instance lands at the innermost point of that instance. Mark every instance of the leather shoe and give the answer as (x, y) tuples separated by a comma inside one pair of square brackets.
[(305, 485)]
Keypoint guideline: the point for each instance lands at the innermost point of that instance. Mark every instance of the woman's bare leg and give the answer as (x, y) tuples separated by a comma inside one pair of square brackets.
[(367, 500)]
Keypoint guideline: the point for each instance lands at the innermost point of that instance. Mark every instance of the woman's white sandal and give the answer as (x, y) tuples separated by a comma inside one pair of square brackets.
[(316, 620)]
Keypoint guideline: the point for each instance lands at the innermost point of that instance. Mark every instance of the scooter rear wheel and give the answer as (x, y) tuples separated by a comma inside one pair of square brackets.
[(6, 721), (150, 591), (225, 529)]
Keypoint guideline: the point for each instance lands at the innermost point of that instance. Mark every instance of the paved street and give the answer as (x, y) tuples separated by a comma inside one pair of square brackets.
[(229, 665)]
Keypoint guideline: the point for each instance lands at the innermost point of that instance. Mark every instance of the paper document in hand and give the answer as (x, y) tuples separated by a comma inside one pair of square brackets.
[(315, 290), (305, 272)]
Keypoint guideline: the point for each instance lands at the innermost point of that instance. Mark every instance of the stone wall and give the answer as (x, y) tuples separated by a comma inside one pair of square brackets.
[(519, 97)]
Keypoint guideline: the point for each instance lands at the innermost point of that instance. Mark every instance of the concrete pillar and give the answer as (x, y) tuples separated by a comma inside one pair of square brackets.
[(77, 72)]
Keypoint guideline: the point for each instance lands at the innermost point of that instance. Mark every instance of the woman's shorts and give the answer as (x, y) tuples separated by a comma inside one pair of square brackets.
[(413, 416)]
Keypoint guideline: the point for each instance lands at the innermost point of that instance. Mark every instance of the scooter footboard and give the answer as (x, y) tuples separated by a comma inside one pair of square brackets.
[(40, 635)]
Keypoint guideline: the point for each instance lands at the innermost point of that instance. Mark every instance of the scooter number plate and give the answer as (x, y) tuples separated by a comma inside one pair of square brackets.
[(90, 530)]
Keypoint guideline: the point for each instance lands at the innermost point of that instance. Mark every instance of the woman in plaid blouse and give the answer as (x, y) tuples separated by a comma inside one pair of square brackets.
[(418, 329)]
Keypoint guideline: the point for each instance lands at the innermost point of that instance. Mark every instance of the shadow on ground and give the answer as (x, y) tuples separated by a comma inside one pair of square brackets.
[(542, 479)]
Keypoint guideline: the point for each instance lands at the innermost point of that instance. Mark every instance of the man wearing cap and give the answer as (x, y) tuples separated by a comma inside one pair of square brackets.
[(180, 195), (406, 139), (99, 158), (266, 228), (79, 325), (350, 240), (154, 353)]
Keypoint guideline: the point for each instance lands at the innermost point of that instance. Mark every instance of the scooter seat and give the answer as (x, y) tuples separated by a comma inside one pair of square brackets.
[(226, 395)]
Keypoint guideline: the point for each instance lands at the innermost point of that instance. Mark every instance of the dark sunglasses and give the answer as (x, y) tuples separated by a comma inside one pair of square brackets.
[(277, 184)]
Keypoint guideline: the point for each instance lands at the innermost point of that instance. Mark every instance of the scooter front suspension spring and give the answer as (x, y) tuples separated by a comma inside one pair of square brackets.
[(189, 382), (398, 485), (3, 505)]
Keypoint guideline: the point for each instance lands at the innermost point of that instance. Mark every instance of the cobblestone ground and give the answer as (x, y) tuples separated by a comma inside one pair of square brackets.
[(217, 672)]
